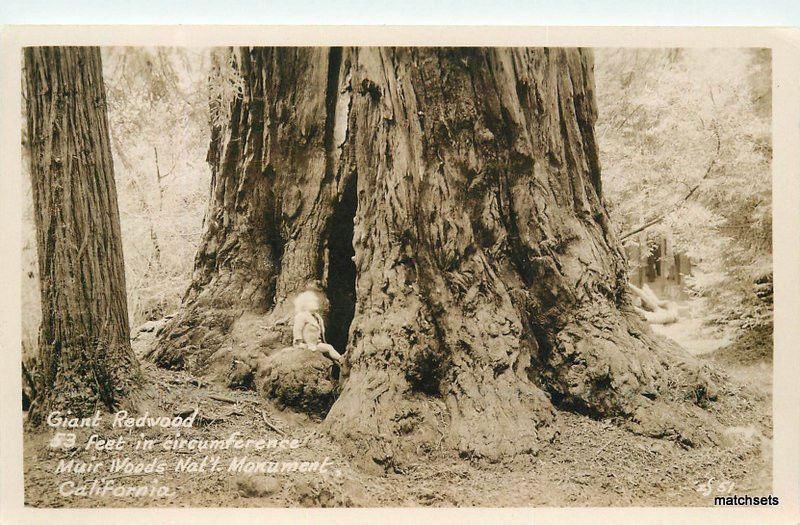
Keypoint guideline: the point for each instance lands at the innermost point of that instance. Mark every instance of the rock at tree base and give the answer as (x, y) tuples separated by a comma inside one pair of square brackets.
[(298, 379)]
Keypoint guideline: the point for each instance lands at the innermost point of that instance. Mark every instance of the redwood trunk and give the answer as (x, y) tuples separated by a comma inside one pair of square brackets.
[(85, 354), (488, 285)]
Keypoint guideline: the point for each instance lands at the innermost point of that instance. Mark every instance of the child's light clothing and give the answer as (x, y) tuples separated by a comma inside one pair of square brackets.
[(309, 332), (309, 329)]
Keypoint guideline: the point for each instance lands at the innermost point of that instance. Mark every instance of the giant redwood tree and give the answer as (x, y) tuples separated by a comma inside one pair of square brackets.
[(449, 201), (85, 354)]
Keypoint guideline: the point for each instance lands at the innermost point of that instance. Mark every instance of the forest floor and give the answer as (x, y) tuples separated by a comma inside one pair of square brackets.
[(591, 463)]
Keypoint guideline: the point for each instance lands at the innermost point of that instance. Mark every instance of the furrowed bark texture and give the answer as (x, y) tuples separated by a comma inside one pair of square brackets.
[(85, 354), (489, 285), (271, 198)]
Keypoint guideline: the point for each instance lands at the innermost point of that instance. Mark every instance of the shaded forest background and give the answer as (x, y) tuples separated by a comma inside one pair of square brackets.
[(684, 139)]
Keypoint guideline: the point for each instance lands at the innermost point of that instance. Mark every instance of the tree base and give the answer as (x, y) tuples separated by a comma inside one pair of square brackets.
[(611, 366), (106, 378), (208, 342), (607, 366)]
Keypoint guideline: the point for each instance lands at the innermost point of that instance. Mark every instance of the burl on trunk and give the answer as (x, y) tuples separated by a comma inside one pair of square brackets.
[(487, 287)]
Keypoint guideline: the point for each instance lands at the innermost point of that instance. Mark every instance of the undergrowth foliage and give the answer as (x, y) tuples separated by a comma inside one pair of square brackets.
[(685, 135), (159, 117)]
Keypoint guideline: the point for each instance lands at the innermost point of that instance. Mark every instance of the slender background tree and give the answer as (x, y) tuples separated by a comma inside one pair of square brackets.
[(85, 357)]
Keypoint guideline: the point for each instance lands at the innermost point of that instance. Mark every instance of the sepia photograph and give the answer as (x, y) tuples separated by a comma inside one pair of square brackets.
[(396, 276)]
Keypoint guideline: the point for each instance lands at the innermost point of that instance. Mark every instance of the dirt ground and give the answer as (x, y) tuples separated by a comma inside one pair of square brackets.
[(591, 463)]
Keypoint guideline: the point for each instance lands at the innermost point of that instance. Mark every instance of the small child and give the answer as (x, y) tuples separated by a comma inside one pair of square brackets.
[(309, 330)]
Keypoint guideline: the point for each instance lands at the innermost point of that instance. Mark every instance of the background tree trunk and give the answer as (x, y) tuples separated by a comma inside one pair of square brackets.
[(85, 354), (488, 285)]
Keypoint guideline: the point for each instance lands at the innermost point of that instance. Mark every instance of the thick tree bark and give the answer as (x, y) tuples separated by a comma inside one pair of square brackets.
[(272, 197), (85, 355), (489, 285)]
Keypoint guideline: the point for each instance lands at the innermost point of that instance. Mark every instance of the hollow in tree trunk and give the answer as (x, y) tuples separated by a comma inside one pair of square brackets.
[(85, 357), (486, 286)]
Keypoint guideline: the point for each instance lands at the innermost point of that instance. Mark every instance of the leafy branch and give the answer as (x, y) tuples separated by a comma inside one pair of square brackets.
[(681, 202)]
